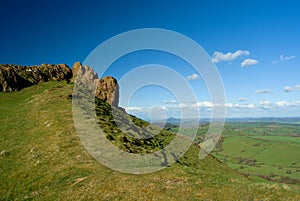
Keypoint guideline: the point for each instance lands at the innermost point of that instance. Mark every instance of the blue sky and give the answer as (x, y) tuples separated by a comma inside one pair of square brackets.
[(255, 46)]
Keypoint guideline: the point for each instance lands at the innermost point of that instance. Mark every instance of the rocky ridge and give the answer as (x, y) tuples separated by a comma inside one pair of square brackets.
[(16, 77)]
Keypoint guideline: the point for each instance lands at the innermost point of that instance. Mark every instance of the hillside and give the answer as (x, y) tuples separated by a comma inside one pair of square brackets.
[(42, 158)]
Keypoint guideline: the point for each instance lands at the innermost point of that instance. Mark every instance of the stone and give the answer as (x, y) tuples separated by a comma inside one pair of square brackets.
[(108, 90), (86, 79), (77, 67), (4, 153)]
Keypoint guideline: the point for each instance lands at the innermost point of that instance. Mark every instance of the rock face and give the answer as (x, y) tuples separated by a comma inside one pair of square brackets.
[(77, 67), (15, 77), (107, 88), (11, 81)]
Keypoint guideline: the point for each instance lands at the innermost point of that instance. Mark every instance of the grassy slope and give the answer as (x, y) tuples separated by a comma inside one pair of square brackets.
[(42, 159)]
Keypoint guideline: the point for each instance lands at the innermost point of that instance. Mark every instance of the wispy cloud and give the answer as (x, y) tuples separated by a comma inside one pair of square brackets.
[(285, 103), (242, 99), (170, 101), (282, 103), (238, 106), (204, 104), (297, 87), (262, 91), (265, 104), (287, 89), (279, 104), (193, 77), (286, 58), (249, 62), (134, 109), (283, 59), (207, 106), (229, 56)]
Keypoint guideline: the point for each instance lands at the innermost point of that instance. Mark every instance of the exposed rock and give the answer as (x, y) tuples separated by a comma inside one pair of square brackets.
[(4, 153), (11, 81), (108, 90), (15, 77), (77, 67), (84, 76)]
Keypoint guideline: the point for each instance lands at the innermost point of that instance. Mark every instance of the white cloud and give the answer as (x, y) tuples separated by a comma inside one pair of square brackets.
[(170, 101), (133, 109), (249, 62), (204, 104), (208, 104), (229, 105), (229, 56), (183, 105), (286, 58), (279, 104), (283, 59), (285, 103), (262, 91), (295, 104), (282, 103), (265, 104), (193, 77), (297, 87), (244, 106), (242, 99), (287, 89)]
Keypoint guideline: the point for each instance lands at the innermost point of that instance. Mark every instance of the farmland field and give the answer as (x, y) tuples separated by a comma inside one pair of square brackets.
[(264, 148)]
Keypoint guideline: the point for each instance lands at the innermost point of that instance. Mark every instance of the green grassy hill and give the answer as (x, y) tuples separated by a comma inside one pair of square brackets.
[(42, 158)]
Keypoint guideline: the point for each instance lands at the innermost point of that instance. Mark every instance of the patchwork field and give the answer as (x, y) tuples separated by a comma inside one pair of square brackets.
[(269, 150)]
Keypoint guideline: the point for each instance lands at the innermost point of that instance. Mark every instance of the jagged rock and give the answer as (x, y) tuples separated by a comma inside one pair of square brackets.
[(15, 77), (77, 67), (10, 81), (108, 90), (84, 77)]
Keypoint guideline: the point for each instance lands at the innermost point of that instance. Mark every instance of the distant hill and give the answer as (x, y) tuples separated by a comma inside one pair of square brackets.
[(286, 120)]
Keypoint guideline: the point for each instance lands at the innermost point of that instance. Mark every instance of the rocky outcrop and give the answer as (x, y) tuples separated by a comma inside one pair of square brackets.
[(107, 88), (84, 76), (77, 67), (10, 81), (15, 77)]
